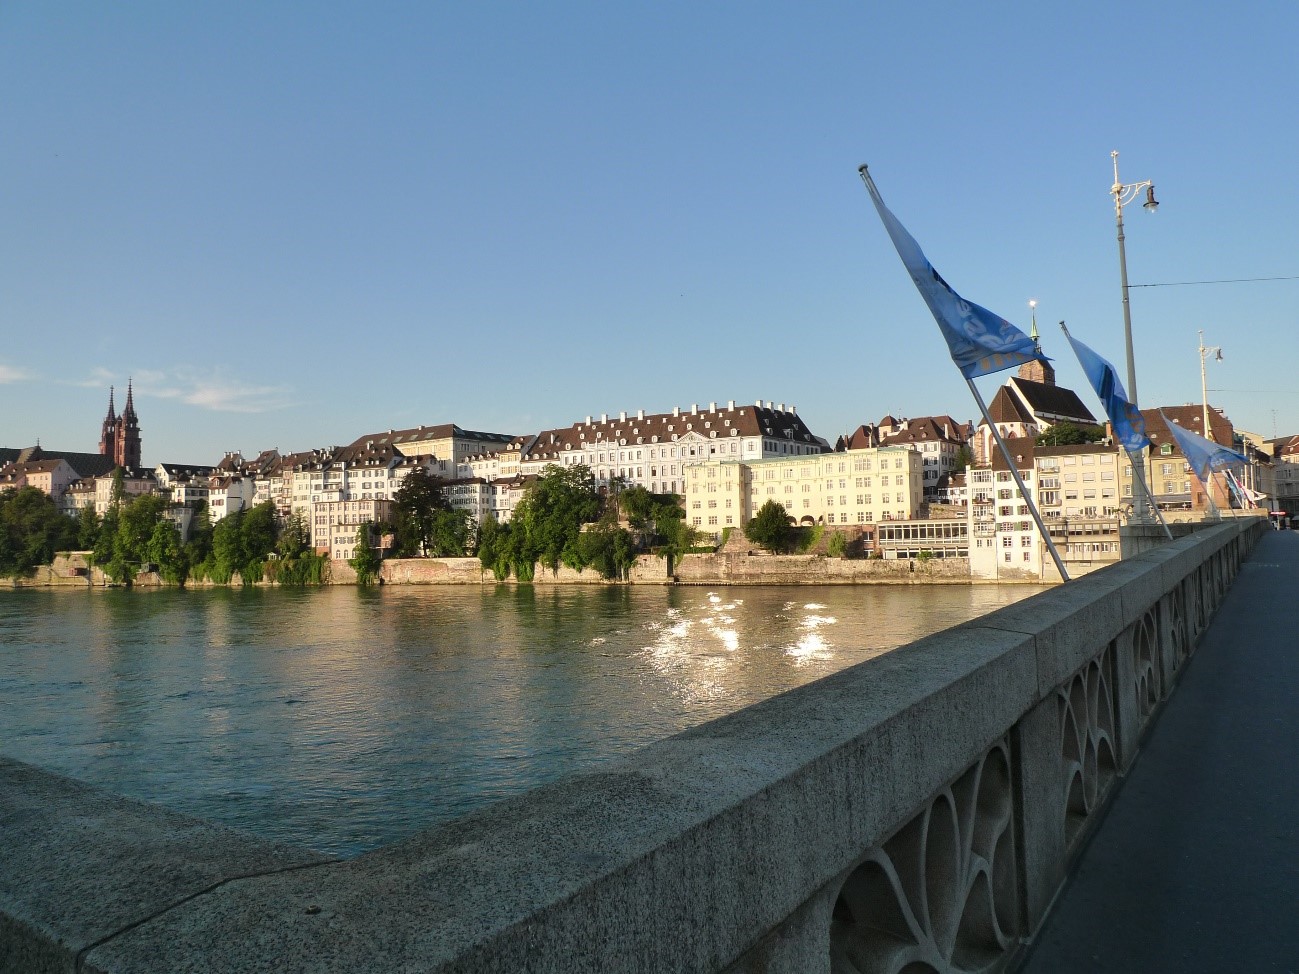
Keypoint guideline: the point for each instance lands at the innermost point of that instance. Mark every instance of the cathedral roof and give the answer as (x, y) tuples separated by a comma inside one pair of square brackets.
[(1051, 402)]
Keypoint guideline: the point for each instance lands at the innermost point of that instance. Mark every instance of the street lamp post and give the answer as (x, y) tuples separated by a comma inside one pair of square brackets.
[(1125, 193), (1205, 352)]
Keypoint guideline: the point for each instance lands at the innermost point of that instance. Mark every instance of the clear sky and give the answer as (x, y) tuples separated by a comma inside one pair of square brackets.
[(295, 223)]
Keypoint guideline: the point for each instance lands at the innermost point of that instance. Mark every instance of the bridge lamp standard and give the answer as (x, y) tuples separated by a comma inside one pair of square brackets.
[(1125, 193), (1205, 352)]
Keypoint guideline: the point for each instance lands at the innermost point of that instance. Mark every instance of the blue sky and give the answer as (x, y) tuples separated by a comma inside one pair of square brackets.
[(294, 223)]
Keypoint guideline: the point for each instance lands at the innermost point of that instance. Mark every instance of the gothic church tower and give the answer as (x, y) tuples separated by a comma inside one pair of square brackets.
[(120, 435)]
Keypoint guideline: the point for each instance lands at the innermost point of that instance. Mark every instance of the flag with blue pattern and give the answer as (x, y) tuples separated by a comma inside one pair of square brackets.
[(1204, 456), (980, 342), (1127, 421)]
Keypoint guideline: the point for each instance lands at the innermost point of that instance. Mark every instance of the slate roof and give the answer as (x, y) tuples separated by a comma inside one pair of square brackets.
[(624, 430), (1006, 408), (1052, 402), (84, 464), (1188, 417), (420, 434)]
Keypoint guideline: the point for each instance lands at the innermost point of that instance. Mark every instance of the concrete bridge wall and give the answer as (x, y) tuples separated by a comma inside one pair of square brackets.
[(915, 812)]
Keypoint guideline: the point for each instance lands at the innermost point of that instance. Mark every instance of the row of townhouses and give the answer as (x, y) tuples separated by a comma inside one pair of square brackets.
[(905, 486)]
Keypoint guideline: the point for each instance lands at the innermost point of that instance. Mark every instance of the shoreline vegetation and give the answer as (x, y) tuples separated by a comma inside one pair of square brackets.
[(563, 531)]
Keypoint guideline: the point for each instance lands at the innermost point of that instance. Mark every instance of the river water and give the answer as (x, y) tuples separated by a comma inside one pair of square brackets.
[(342, 718)]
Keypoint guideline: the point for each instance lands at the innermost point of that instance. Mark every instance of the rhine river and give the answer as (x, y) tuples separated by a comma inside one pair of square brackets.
[(342, 718)]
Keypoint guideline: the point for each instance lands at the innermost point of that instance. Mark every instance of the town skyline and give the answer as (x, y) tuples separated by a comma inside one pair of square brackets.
[(284, 228)]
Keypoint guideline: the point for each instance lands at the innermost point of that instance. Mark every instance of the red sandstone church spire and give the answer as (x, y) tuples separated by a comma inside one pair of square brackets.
[(120, 435)]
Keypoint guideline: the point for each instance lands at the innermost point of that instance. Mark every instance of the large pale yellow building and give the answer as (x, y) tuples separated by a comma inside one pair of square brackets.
[(852, 488)]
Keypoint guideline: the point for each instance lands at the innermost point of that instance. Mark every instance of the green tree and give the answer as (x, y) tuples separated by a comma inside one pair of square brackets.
[(32, 529), (491, 538), (295, 536), (117, 493), (451, 534), (964, 457), (638, 506), (136, 521), (199, 546), (365, 559), (417, 510), (165, 551), (87, 527), (104, 552), (769, 527), (551, 515), (1065, 433), (241, 543), (608, 549)]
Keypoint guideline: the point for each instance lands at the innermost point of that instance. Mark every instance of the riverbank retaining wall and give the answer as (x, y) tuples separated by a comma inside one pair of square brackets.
[(740, 568), (916, 811)]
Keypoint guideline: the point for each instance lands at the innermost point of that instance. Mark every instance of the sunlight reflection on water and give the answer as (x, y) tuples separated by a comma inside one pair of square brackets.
[(342, 719)]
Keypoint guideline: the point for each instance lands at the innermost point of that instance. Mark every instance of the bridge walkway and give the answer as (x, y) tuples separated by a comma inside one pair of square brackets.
[(1195, 867)]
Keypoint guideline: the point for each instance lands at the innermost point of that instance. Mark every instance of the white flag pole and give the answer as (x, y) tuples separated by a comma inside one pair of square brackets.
[(1023, 490)]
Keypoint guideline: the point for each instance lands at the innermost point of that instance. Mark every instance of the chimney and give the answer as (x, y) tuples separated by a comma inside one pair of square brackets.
[(758, 403), (588, 421), (622, 416), (794, 410), (604, 417), (730, 404), (640, 414), (694, 409), (782, 407), (676, 410), (712, 407)]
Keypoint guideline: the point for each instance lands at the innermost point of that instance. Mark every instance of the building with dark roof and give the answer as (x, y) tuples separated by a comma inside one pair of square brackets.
[(1023, 408), (939, 439), (652, 450)]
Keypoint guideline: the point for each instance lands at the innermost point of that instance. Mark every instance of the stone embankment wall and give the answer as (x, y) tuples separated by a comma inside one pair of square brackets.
[(648, 569), (916, 811), (726, 568), (70, 569)]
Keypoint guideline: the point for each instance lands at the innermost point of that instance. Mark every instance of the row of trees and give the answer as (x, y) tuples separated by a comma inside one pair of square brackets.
[(31, 530), (562, 519), (136, 535)]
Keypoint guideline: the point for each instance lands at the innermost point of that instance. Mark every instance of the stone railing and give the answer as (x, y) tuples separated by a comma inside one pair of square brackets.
[(914, 813)]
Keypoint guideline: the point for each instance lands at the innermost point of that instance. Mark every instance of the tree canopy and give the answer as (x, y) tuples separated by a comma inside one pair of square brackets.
[(423, 521), (31, 530), (365, 560), (1065, 433), (769, 527)]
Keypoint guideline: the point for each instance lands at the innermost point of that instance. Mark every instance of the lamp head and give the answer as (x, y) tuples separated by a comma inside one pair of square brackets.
[(1151, 204), (1218, 357)]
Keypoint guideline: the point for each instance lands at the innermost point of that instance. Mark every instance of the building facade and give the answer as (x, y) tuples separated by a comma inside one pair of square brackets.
[(852, 489)]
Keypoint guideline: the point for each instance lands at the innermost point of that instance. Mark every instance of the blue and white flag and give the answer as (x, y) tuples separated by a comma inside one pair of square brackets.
[(1204, 456), (1129, 425), (980, 342)]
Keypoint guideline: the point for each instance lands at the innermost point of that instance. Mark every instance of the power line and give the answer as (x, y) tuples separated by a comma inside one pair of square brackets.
[(1261, 392), (1233, 280)]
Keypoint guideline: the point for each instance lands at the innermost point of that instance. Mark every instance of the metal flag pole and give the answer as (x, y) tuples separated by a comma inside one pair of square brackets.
[(1014, 472), (1232, 482), (1149, 496)]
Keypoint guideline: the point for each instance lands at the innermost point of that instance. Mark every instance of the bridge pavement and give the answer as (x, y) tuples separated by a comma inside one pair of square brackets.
[(1195, 868)]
